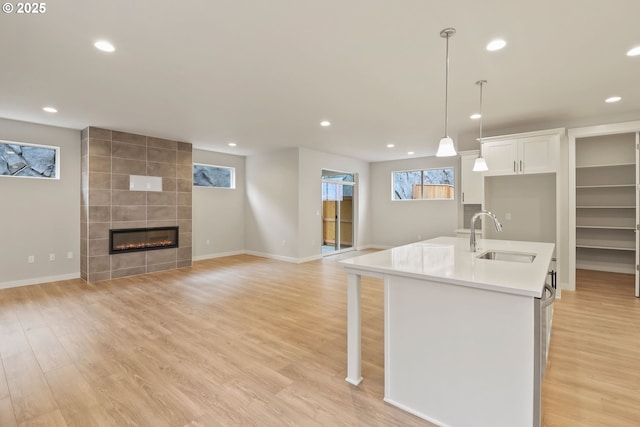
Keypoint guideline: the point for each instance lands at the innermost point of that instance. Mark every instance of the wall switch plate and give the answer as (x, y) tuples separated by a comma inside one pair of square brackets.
[(31, 259), (52, 257), (69, 255), (508, 216)]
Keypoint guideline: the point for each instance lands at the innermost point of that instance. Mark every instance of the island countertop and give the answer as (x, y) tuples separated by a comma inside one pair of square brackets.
[(449, 260)]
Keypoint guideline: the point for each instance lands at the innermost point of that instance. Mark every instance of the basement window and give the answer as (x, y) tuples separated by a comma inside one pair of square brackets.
[(424, 184), (20, 159), (214, 176)]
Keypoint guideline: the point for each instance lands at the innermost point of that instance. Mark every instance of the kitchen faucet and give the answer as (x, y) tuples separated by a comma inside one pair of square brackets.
[(472, 241)]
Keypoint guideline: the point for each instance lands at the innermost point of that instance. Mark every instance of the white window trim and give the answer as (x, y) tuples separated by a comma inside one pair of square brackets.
[(233, 176), (28, 144)]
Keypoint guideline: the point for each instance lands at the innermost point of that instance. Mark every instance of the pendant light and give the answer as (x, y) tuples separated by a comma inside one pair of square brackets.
[(480, 165), (446, 148)]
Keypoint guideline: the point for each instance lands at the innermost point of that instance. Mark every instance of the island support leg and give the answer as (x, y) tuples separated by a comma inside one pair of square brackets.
[(354, 352)]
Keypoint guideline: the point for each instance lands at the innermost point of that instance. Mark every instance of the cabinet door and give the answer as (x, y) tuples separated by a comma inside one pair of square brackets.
[(501, 157), (472, 182), (537, 155)]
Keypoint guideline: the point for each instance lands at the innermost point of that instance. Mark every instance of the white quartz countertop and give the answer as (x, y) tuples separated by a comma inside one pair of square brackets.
[(449, 260)]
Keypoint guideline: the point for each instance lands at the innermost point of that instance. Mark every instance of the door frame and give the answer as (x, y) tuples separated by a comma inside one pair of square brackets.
[(354, 208)]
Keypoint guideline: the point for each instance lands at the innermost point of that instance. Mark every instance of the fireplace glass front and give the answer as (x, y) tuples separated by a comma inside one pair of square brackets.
[(142, 239)]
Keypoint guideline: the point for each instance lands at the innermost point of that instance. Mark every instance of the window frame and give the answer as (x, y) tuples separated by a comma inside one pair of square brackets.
[(232, 183), (29, 144), (422, 183)]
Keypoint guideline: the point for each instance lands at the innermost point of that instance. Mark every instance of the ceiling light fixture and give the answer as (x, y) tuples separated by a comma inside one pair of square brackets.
[(232, 144), (411, 153), (634, 52), (50, 109), (104, 46), (325, 123), (480, 165), (446, 148), (496, 44), (390, 145), (475, 116), (612, 99)]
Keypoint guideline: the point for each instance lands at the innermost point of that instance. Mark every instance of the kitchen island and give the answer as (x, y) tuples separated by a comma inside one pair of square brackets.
[(463, 333)]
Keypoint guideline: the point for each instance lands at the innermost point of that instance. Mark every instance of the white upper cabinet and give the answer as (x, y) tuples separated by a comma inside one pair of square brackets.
[(472, 182), (531, 152)]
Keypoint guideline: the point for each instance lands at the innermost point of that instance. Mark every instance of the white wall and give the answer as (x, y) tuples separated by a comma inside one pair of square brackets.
[(399, 222), (271, 215), (284, 202), (531, 202), (311, 164), (219, 213), (40, 216)]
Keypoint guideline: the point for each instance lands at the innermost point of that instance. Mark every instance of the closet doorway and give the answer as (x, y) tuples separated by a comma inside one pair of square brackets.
[(338, 227)]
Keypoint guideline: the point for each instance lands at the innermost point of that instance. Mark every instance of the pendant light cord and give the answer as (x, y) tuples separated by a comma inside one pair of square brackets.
[(481, 83), (446, 90)]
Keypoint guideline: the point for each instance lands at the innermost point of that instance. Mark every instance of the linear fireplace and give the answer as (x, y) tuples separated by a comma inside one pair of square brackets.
[(142, 239)]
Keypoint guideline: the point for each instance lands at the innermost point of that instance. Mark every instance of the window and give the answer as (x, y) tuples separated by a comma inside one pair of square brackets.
[(214, 176), (331, 191), (427, 184), (29, 160)]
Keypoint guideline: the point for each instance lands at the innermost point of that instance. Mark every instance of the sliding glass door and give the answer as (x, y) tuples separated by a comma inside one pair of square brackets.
[(338, 231)]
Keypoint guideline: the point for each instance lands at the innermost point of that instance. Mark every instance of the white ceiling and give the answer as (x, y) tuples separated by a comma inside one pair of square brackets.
[(264, 73)]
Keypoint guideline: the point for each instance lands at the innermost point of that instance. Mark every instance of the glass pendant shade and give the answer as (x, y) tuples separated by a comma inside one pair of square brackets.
[(446, 148), (480, 165)]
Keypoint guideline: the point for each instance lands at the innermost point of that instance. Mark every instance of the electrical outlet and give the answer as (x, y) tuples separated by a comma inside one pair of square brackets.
[(31, 259), (284, 242), (52, 257), (208, 242), (69, 255)]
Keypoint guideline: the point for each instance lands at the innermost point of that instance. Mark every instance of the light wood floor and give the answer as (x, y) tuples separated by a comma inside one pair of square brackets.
[(594, 373), (250, 341)]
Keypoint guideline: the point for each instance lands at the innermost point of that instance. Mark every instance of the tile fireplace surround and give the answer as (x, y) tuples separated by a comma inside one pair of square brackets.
[(108, 159)]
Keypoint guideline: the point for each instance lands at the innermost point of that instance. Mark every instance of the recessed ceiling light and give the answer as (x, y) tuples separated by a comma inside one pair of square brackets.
[(104, 46), (634, 52), (475, 116), (613, 99), (390, 145), (496, 44), (325, 123), (50, 109), (232, 144), (411, 153)]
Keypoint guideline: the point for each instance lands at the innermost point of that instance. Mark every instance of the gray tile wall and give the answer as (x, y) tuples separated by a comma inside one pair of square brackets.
[(108, 159)]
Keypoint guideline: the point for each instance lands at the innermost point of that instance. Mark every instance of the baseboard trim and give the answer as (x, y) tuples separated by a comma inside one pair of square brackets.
[(218, 255), (38, 280)]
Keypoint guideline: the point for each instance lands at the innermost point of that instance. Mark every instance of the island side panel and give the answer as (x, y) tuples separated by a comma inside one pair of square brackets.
[(459, 356), (354, 340)]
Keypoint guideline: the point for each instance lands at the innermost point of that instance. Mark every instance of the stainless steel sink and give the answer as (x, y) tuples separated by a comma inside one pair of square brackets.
[(508, 256)]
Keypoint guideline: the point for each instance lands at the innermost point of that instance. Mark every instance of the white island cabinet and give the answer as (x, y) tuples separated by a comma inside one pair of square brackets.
[(463, 334)]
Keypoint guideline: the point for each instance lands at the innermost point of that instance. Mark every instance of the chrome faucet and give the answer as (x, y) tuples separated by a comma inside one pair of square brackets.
[(472, 241)]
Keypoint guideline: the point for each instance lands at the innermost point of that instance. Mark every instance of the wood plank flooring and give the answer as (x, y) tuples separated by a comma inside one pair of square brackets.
[(594, 361), (250, 341)]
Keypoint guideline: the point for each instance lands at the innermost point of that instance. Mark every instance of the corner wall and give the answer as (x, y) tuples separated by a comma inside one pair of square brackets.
[(400, 222), (219, 213), (40, 216)]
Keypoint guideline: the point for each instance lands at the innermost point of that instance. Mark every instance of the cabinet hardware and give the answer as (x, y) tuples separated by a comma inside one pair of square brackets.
[(520, 165), (514, 167)]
